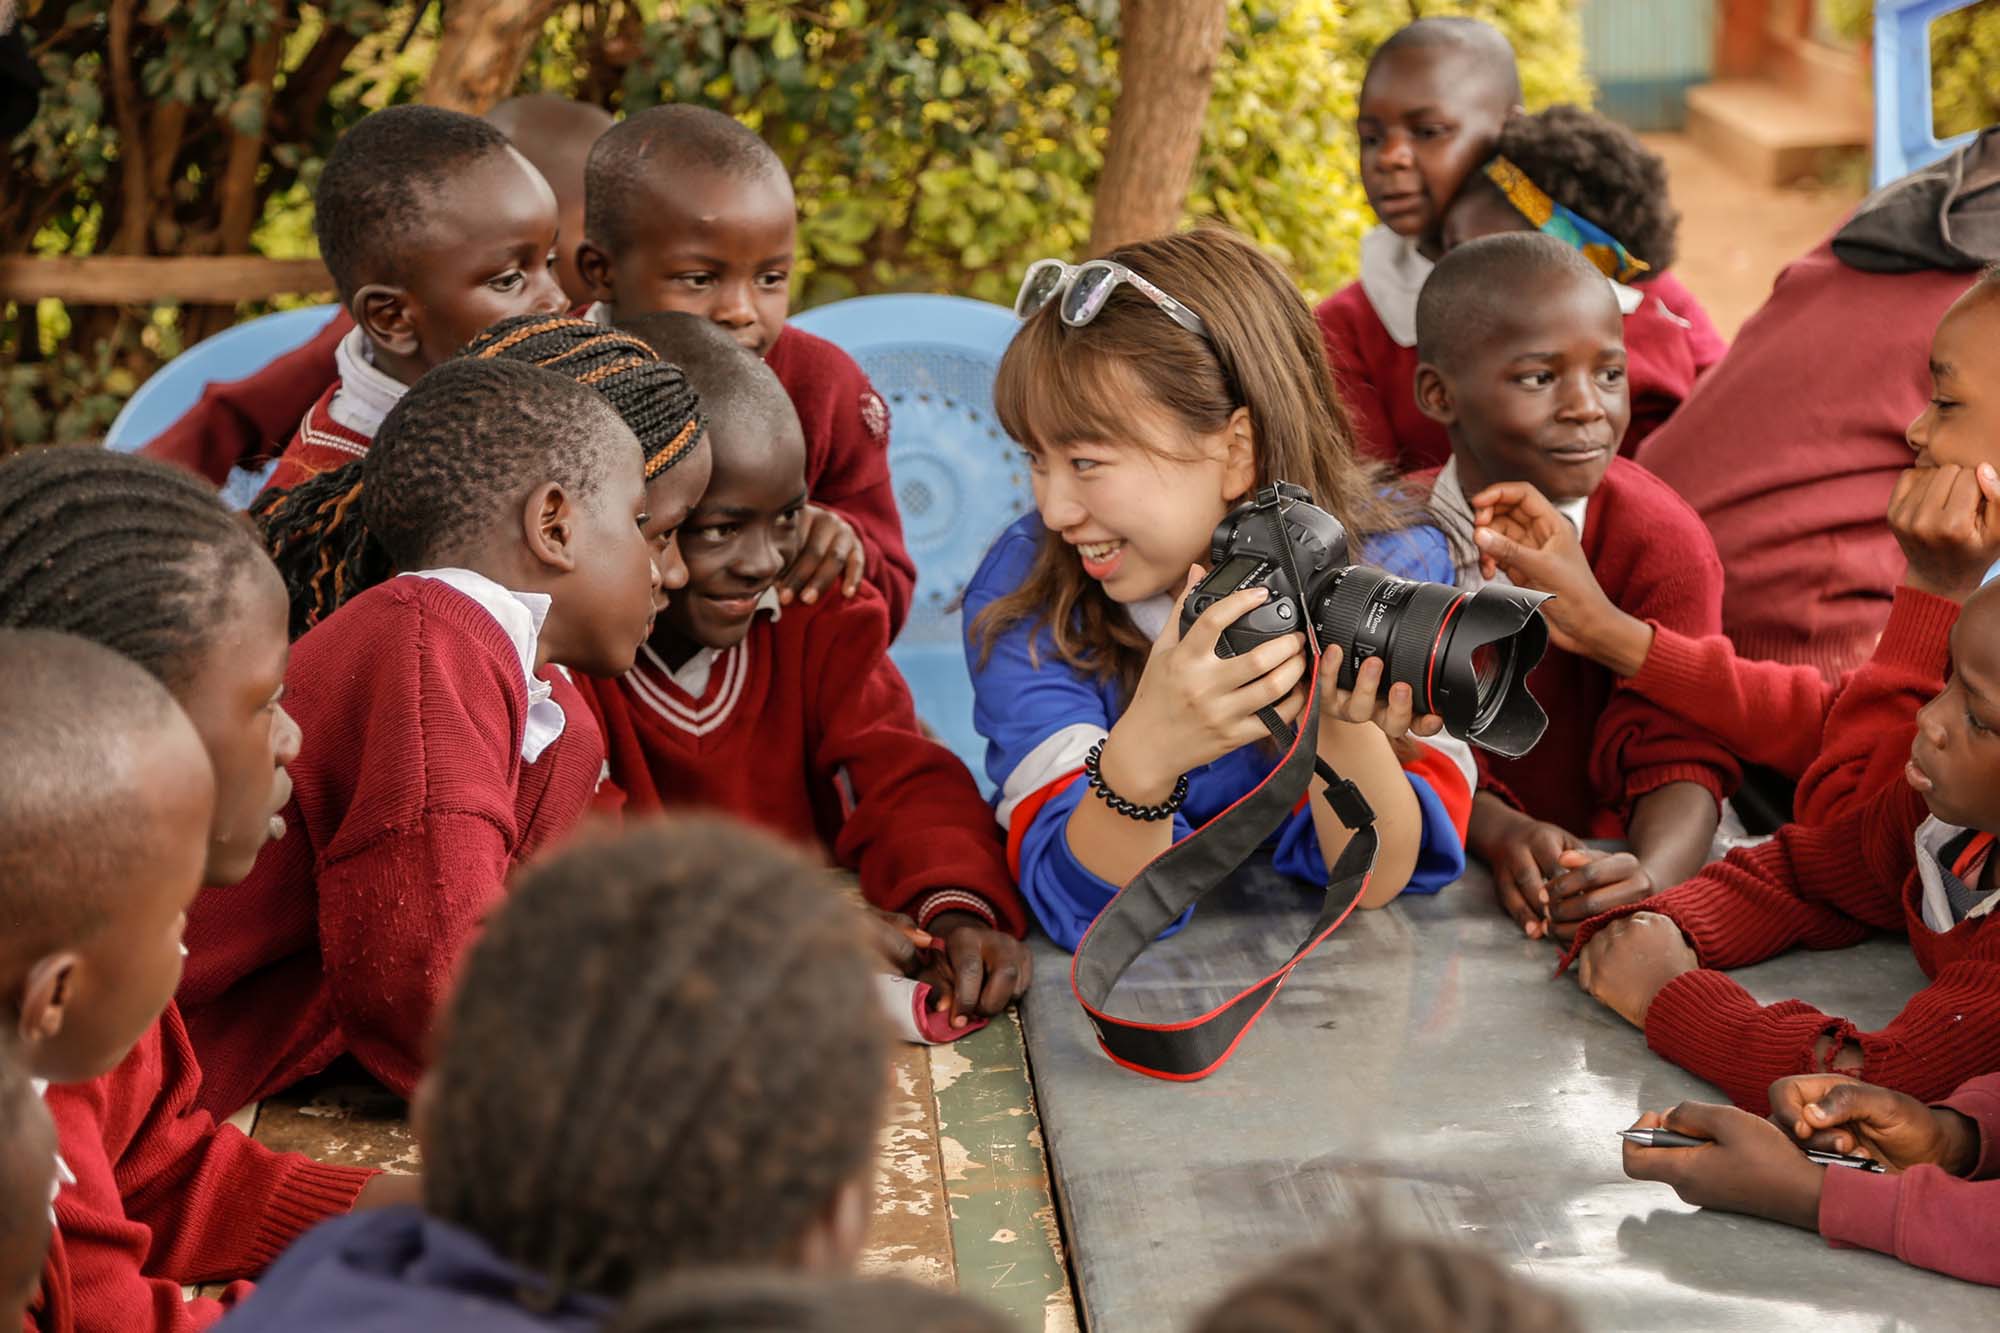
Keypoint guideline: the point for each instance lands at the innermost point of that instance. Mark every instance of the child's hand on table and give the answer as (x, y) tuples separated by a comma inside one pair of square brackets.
[(1631, 960), (829, 550), (978, 971), (1523, 853), (1835, 1113), (1590, 882), (1749, 1165), (1947, 520), (1520, 534), (900, 940)]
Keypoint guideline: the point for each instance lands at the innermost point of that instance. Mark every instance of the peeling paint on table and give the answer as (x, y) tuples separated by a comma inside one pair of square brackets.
[(910, 1236)]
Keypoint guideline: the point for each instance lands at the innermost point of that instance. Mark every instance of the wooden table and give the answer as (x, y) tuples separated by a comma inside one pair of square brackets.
[(1424, 1061)]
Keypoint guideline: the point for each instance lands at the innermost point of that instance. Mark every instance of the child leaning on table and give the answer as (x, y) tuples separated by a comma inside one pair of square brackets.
[(1945, 513), (1937, 1206), (1914, 857)]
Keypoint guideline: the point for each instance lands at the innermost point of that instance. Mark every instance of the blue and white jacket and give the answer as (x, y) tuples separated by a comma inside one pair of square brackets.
[(1040, 721)]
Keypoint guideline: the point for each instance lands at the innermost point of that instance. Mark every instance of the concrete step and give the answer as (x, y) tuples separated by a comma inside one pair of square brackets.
[(1772, 134)]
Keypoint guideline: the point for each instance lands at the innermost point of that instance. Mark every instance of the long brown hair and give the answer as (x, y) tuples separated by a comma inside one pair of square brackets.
[(1058, 385)]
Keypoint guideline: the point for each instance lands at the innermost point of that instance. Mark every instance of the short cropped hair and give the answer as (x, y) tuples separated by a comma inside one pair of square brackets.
[(1476, 285), (649, 147), (1481, 42), (376, 189)]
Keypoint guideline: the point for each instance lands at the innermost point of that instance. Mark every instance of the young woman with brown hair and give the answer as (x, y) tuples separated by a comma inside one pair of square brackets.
[(1152, 392)]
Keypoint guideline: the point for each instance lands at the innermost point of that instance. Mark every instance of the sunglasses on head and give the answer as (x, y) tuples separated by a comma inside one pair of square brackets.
[(1084, 288)]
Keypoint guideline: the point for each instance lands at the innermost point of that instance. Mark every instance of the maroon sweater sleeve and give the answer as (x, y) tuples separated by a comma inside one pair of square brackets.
[(240, 421), (847, 457), (165, 1196), (919, 835), (1366, 412), (1657, 562), (1923, 1216)]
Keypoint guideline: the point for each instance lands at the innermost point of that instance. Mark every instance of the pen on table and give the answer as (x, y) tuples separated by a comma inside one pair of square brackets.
[(1667, 1138)]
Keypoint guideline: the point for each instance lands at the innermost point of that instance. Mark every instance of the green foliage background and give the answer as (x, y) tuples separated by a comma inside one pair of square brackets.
[(934, 146), (1965, 60)]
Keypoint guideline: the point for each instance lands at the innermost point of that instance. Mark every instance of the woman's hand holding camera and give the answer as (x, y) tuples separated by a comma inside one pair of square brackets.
[(1192, 707), (1394, 712)]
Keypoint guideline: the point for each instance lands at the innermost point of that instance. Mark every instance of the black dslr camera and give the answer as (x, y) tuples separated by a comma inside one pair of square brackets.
[(1465, 657)]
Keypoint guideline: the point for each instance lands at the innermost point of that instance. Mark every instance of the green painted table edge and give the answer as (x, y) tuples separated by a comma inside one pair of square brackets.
[(1006, 1242)]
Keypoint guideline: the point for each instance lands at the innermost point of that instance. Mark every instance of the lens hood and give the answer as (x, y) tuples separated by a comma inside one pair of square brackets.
[(1511, 721)]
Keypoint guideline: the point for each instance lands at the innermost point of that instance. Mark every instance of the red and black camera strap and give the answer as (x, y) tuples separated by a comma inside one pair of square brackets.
[(1196, 866)]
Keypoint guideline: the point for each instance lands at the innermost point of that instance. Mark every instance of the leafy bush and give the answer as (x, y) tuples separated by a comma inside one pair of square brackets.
[(1965, 53)]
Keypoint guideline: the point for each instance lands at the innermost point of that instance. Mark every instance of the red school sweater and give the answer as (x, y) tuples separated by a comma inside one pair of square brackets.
[(1789, 451), (320, 444), (410, 805), (1607, 747), (1669, 342), (164, 1196), (1840, 742), (239, 422), (807, 728), (1825, 887)]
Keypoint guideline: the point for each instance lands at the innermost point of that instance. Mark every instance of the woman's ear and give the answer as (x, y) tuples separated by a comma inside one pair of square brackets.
[(1239, 459), (1434, 398), (548, 524), (386, 312)]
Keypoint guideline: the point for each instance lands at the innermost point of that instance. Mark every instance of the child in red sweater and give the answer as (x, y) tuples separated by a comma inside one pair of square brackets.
[(509, 501), (1524, 366), (143, 559), (1576, 160), (1914, 858), (1937, 1206), (433, 227), (1945, 514), (238, 423), (794, 716), (687, 209)]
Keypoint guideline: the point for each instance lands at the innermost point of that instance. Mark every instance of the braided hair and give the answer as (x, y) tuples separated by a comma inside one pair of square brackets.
[(317, 531), (1376, 1281), (605, 1107), (137, 555), (768, 1301)]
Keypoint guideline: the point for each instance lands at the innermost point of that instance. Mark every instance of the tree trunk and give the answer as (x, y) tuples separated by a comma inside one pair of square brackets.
[(1167, 51), (482, 49)]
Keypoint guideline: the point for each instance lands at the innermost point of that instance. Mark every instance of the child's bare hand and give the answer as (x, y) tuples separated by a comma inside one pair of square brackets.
[(1835, 1113), (1631, 960), (900, 940), (1748, 1165), (980, 970), (1394, 711), (1523, 857), (1947, 520), (829, 550), (1520, 534), (1591, 882)]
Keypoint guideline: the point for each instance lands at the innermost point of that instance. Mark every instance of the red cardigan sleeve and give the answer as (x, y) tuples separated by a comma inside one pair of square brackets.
[(918, 833), (1374, 434), (1767, 713), (238, 421), (1924, 1216), (184, 1200)]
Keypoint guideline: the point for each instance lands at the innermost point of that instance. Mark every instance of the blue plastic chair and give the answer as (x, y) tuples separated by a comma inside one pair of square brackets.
[(1905, 134), (229, 355), (959, 480)]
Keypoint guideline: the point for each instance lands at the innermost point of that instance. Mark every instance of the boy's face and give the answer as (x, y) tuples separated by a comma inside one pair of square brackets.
[(608, 600), (29, 1176), (1961, 423), (488, 253), (740, 537), (233, 701), (1955, 758), (1544, 399), (1428, 116), (128, 969), (670, 498), (716, 244)]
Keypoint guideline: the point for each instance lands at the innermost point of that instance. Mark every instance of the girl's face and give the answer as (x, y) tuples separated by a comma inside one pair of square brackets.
[(1139, 510), (233, 701), (1961, 423)]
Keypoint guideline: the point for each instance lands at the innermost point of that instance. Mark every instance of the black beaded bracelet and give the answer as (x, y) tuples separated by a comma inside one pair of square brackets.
[(1164, 810)]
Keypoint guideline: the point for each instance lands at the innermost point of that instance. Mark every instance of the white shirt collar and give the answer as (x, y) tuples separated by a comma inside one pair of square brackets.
[(599, 313), (1631, 298), (1151, 615), (64, 1176), (691, 676), (1933, 836), (1392, 273), (520, 615), (1454, 511), (366, 393)]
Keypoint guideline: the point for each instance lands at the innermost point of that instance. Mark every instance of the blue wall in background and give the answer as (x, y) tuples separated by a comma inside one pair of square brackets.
[(1645, 54)]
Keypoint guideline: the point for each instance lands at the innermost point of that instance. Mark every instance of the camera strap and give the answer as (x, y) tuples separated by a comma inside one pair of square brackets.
[(1199, 864)]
